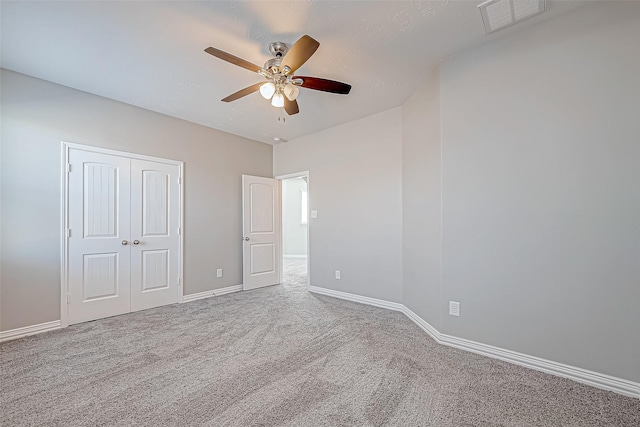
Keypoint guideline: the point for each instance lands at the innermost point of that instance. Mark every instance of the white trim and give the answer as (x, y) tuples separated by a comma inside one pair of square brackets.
[(56, 324), (212, 293), (304, 197), (357, 298), (430, 330), (94, 149), (281, 256), (584, 376), (295, 256), (227, 290), (197, 296), (594, 379), (64, 238), (26, 331), (293, 175), (181, 221)]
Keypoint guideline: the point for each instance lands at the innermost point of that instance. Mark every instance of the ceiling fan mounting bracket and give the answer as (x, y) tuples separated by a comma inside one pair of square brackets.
[(278, 49)]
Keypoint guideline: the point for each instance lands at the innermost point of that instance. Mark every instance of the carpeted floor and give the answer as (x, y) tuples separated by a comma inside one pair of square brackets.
[(279, 356)]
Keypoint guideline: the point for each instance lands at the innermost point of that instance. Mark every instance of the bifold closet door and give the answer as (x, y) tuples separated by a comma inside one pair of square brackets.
[(155, 222), (99, 232)]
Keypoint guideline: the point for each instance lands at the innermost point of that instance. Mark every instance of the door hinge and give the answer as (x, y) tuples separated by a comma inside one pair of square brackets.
[(178, 281), (179, 180), (68, 167), (68, 232), (179, 231), (68, 299)]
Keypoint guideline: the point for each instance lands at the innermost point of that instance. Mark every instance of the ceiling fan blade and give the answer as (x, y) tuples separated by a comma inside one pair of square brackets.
[(244, 92), (324, 85), (299, 53), (291, 107), (232, 59)]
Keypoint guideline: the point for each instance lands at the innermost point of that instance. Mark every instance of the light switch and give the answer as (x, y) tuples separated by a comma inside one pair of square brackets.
[(314, 214)]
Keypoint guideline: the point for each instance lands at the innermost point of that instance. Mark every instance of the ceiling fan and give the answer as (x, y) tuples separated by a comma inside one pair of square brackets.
[(281, 85)]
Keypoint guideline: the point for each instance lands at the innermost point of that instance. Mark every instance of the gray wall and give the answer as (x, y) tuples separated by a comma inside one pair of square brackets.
[(37, 115), (294, 241), (541, 190), (421, 202), (520, 194), (355, 184)]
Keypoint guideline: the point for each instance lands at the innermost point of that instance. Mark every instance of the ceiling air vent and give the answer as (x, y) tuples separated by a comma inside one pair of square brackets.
[(498, 14)]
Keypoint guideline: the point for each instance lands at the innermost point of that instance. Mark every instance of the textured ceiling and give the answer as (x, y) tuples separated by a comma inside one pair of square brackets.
[(151, 54)]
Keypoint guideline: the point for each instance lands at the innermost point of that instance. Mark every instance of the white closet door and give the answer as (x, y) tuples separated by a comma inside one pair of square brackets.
[(155, 219), (99, 224)]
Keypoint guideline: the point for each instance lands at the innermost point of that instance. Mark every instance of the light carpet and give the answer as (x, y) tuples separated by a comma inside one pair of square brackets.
[(279, 356)]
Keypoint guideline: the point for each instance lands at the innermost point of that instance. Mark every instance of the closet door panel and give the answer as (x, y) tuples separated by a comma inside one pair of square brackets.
[(99, 227), (155, 221)]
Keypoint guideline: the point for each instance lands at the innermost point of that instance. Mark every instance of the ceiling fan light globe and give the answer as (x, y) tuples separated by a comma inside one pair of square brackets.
[(278, 100), (267, 90), (291, 92)]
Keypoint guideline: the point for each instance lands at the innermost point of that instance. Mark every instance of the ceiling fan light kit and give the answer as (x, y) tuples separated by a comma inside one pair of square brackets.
[(282, 87), (291, 92), (277, 100), (267, 90)]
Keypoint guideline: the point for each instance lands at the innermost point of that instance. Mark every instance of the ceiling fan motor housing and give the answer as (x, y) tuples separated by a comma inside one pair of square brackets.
[(273, 62)]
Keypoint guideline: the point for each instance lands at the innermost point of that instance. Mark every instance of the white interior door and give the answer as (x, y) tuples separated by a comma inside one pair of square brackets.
[(261, 231), (99, 230), (155, 222)]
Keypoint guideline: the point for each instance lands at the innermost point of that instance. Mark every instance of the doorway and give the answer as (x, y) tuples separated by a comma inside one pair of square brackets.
[(295, 230)]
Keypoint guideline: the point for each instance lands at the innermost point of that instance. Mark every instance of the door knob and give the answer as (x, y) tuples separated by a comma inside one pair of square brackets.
[(136, 242), (125, 243), (246, 239)]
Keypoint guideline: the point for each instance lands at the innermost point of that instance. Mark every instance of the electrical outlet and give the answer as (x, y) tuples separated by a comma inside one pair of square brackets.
[(338, 274), (454, 308), (219, 273)]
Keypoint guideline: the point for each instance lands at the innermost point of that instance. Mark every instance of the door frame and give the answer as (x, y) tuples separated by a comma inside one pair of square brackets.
[(64, 223), (303, 174)]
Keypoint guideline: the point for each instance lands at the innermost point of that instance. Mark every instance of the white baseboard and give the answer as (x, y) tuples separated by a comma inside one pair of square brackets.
[(424, 325), (357, 298), (584, 376), (295, 256), (211, 293), (227, 290), (13, 334), (595, 379)]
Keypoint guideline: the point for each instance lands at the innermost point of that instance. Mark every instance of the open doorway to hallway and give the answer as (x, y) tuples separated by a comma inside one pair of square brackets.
[(295, 217)]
